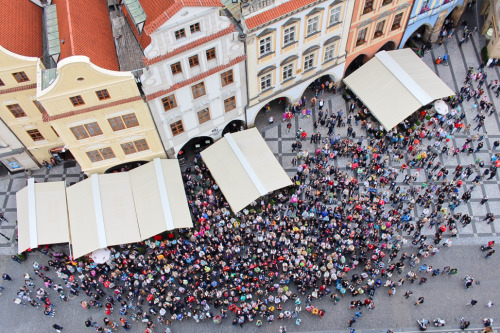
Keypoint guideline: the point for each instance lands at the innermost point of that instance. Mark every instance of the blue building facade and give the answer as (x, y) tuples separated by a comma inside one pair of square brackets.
[(428, 16)]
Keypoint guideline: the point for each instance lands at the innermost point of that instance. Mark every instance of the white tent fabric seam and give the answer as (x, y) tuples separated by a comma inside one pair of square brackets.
[(406, 80), (165, 203), (99, 218), (246, 165), (32, 214)]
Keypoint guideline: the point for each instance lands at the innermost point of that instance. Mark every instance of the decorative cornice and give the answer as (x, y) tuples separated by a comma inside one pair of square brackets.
[(16, 89)]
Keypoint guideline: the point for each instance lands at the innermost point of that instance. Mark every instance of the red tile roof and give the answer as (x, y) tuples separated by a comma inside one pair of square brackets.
[(189, 46), (85, 27), (193, 79), (276, 12), (159, 11), (21, 27)]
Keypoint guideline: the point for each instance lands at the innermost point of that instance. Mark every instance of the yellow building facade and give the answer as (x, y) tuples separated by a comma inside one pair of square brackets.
[(99, 115), (19, 108)]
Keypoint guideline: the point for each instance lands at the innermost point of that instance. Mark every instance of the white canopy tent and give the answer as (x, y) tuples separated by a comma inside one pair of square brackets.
[(394, 84), (244, 167), (42, 215), (104, 210)]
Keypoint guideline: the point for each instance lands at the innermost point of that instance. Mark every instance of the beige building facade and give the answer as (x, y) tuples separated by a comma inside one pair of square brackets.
[(99, 115), (490, 10)]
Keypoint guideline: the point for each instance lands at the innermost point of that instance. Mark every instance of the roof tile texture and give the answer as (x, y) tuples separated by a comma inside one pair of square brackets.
[(85, 27), (21, 27), (276, 12)]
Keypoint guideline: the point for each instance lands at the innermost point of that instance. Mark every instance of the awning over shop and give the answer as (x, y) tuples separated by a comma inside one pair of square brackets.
[(244, 167), (395, 84), (106, 210), (42, 215)]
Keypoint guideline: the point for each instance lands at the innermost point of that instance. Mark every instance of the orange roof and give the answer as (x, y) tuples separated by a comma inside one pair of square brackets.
[(21, 27), (85, 27), (276, 12), (159, 11)]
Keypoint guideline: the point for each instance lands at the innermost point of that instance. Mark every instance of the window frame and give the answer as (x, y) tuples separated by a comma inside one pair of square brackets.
[(339, 7), (203, 115), (196, 26), (398, 24), (227, 78), (379, 31), (291, 32), (16, 108), (101, 154), (102, 94), (116, 121), (211, 54), (93, 129), (309, 61), (330, 48), (314, 25), (196, 91), (177, 127), (230, 102), (179, 34), (361, 37), (194, 61), (79, 132), (288, 70), (35, 135), (124, 120), (167, 100), (368, 6), (265, 46), (266, 81), (133, 147), (176, 68), (20, 77), (77, 100)]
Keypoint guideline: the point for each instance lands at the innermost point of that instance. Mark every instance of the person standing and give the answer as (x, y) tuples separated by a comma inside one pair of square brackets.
[(6, 277), (472, 302), (489, 254), (420, 300), (58, 328)]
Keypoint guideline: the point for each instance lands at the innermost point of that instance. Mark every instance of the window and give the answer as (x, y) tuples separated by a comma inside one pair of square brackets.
[(194, 28), (265, 82), (180, 34), (289, 35), (361, 37), (122, 122), (20, 77), (211, 54), (309, 61), (77, 100), (312, 25), (176, 68), (329, 52), (101, 154), (193, 61), (425, 6), (177, 128), (287, 72), (102, 94), (227, 78), (35, 135), (230, 104), (265, 45), (368, 6), (16, 110), (84, 131), (1, 83), (379, 29), (169, 102), (335, 15), (203, 116), (198, 90), (135, 146), (396, 24)]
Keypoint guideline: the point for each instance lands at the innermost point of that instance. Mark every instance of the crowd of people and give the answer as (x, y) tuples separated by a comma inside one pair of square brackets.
[(350, 225)]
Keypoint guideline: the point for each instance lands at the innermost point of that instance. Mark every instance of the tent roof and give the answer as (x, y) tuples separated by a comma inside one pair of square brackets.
[(403, 78), (42, 215), (105, 210), (244, 167)]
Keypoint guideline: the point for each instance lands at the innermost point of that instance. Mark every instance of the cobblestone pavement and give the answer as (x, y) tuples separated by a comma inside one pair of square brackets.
[(445, 296)]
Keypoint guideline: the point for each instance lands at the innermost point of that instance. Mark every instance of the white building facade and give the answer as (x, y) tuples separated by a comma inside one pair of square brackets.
[(291, 43), (13, 154), (195, 81)]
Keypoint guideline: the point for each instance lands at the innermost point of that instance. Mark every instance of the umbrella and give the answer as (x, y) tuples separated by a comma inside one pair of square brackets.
[(441, 107), (100, 256)]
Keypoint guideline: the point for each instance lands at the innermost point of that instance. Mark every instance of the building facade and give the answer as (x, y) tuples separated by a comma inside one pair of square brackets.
[(195, 79), (428, 17), (376, 25), (13, 154), (290, 44), (490, 10), (99, 115)]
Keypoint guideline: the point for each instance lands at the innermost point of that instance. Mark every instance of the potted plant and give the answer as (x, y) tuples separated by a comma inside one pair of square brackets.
[(386, 2), (377, 34), (366, 10), (360, 42), (395, 26)]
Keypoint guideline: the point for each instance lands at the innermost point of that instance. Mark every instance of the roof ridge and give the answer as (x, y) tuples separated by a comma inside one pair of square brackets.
[(70, 28)]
